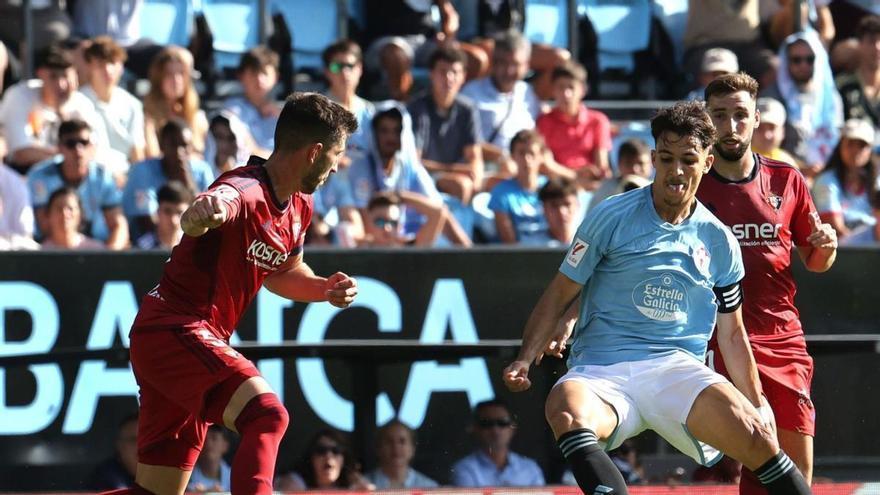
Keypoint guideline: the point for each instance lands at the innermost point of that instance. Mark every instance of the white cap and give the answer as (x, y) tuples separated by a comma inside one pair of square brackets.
[(771, 111), (720, 60), (858, 129)]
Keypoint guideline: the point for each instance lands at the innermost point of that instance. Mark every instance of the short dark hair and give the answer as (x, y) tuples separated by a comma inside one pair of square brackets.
[(557, 188), (382, 199), (571, 70), (391, 113), (257, 58), (174, 124), (496, 402), (447, 54), (685, 118), (731, 83), (72, 126), (312, 118), (869, 25), (63, 191), (526, 136), (631, 148), (103, 48), (53, 57), (175, 192), (345, 46)]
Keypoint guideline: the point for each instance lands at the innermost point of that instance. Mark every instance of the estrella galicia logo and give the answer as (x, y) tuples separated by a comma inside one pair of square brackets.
[(661, 298)]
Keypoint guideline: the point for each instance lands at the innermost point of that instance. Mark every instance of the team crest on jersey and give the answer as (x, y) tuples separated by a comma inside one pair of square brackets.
[(701, 258), (775, 201)]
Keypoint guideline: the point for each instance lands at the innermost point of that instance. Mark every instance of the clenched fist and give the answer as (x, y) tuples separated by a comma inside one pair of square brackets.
[(206, 212)]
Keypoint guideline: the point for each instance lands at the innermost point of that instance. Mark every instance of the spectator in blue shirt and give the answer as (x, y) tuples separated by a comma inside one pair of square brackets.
[(258, 74), (343, 67), (212, 473), (98, 192), (139, 199), (493, 463), (395, 449), (519, 215)]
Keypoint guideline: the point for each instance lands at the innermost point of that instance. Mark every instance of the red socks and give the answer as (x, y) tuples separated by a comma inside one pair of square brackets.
[(261, 424)]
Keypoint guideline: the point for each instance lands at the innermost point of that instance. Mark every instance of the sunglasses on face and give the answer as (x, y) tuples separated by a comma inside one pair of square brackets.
[(327, 449), (383, 222), (808, 59), (73, 143), (336, 67), (494, 423)]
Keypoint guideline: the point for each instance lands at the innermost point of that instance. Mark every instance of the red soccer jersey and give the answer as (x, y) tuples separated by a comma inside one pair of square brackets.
[(767, 212), (215, 277)]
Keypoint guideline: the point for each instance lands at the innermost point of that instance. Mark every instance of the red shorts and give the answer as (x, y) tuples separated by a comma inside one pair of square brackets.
[(178, 368), (786, 372)]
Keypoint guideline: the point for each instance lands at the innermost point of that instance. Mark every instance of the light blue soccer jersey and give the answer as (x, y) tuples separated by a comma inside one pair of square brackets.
[(647, 283)]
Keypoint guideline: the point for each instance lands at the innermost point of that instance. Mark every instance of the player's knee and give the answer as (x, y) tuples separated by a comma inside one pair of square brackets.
[(263, 414), (560, 418)]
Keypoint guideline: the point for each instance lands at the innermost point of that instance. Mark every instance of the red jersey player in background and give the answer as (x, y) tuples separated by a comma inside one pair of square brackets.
[(244, 232), (768, 207)]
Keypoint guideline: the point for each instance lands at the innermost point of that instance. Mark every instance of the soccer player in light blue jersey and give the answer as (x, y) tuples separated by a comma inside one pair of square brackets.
[(654, 270)]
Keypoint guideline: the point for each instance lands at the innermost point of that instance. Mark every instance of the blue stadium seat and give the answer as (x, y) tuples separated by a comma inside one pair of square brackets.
[(672, 14), (235, 25), (546, 22), (623, 28), (167, 22), (313, 24)]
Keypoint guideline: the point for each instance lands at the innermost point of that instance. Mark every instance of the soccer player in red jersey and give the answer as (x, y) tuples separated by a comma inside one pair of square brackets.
[(244, 232), (768, 207)]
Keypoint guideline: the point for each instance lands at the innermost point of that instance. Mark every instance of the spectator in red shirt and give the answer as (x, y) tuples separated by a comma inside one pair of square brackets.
[(579, 138)]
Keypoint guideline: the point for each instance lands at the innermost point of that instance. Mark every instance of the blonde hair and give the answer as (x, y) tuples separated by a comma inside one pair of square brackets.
[(155, 104)]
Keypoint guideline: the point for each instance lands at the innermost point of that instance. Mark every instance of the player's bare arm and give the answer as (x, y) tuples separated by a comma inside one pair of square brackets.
[(822, 251), (295, 280), (733, 341), (555, 346), (207, 212), (540, 328)]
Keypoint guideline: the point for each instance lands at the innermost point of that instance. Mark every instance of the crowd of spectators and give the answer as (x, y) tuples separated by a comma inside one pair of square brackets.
[(492, 142)]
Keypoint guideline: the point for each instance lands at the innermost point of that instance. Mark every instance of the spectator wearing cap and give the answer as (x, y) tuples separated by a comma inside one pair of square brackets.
[(123, 114), (256, 109), (32, 110), (805, 86), (844, 191), (768, 136), (717, 62)]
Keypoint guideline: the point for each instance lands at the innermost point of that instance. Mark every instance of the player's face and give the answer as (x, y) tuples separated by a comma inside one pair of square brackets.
[(327, 461), (396, 447), (801, 61), (854, 153), (447, 78), (735, 118), (680, 163), (325, 164), (494, 427), (77, 150)]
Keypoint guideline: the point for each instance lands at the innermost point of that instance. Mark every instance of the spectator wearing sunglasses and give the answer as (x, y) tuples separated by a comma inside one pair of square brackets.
[(343, 67), (326, 464), (493, 463), (384, 227), (99, 196), (257, 110)]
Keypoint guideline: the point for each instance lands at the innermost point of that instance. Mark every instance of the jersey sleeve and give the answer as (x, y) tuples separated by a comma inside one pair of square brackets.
[(230, 196), (727, 260), (590, 244), (800, 217)]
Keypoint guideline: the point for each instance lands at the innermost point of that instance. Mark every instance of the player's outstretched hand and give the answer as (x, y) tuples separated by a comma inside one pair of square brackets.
[(516, 376), (341, 290), (822, 235), (206, 212)]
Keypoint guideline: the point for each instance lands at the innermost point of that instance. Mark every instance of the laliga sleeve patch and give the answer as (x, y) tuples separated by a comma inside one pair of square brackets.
[(577, 252)]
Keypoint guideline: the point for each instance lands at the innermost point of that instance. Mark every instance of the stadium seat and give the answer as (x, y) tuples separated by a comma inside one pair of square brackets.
[(623, 28), (313, 25), (672, 15), (546, 22), (235, 25), (167, 22)]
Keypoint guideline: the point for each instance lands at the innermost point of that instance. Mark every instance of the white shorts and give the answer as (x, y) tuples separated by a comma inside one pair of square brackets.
[(655, 394)]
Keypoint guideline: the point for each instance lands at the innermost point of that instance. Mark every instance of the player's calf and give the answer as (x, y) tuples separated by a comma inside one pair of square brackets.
[(594, 471), (261, 424), (780, 476)]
